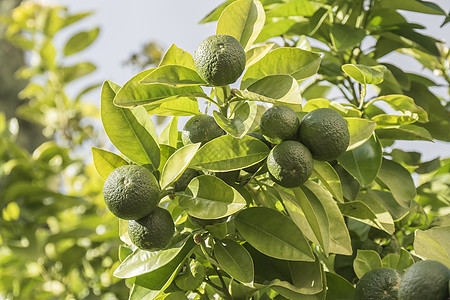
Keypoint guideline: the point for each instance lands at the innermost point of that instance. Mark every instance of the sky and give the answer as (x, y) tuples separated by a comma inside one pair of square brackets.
[(125, 26)]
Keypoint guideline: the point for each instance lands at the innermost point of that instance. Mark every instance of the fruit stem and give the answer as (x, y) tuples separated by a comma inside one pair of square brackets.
[(224, 285)]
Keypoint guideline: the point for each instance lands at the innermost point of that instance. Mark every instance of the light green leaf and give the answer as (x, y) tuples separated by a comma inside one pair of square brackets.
[(406, 105), (273, 234), (275, 28), (243, 20), (399, 262), (273, 89), (384, 120), (345, 36), (177, 163), (316, 103), (176, 106), (76, 71), (399, 182), (387, 200), (177, 56), (227, 153), (365, 261), (235, 260), (329, 178), (216, 12), (256, 53), (296, 62), (208, 197), (133, 93), (338, 288), (363, 162), (80, 41), (433, 244), (169, 134), (360, 131), (365, 74), (292, 8), (404, 132), (425, 7), (105, 162), (130, 131), (241, 120), (173, 75)]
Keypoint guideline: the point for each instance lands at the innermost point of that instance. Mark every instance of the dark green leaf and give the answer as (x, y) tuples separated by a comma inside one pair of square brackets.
[(235, 260), (338, 288), (404, 132)]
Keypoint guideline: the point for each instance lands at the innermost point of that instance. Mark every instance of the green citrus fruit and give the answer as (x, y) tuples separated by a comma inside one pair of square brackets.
[(181, 183), (253, 168), (378, 284), (290, 164), (324, 131), (131, 192), (200, 129), (426, 279), (279, 123), (220, 59), (152, 232)]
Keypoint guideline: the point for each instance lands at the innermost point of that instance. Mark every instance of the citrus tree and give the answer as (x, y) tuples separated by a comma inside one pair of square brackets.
[(287, 184)]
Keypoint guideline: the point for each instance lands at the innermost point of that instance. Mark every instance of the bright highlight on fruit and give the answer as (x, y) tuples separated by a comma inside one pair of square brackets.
[(220, 60)]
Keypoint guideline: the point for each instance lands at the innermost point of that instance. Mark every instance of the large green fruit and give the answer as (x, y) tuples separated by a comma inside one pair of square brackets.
[(290, 164), (220, 60), (131, 192), (279, 123), (426, 279), (152, 232), (200, 129), (378, 284), (325, 132)]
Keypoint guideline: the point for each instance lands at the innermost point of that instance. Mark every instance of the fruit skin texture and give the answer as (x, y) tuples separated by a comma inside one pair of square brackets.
[(220, 59), (279, 123), (290, 164), (152, 232), (378, 284), (200, 129), (427, 279), (325, 133), (131, 192)]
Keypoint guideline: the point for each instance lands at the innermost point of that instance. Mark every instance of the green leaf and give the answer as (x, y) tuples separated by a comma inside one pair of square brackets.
[(404, 132), (363, 162), (273, 234), (338, 287), (80, 41), (316, 103), (134, 93), (406, 105), (227, 153), (369, 211), (166, 151), (296, 62), (216, 12), (399, 182), (169, 135), (177, 106), (208, 197), (241, 120), (345, 36), (365, 261), (76, 71), (243, 20), (360, 131), (177, 164), (129, 130), (399, 262), (235, 260), (177, 56), (273, 89), (275, 28), (292, 8), (314, 212), (433, 244), (387, 200), (340, 242), (365, 74), (105, 162), (142, 262), (256, 53), (173, 75), (329, 178), (414, 5)]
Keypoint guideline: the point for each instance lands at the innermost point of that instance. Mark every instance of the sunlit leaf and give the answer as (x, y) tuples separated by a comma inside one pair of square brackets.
[(365, 74), (105, 162)]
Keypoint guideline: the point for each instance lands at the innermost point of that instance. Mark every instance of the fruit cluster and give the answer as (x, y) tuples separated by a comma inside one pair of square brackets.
[(426, 279), (132, 192)]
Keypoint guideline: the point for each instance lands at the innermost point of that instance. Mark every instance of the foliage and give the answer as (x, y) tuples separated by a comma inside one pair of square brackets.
[(359, 212), (56, 239)]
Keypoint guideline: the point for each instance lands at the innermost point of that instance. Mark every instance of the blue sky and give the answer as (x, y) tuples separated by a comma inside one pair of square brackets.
[(127, 25)]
